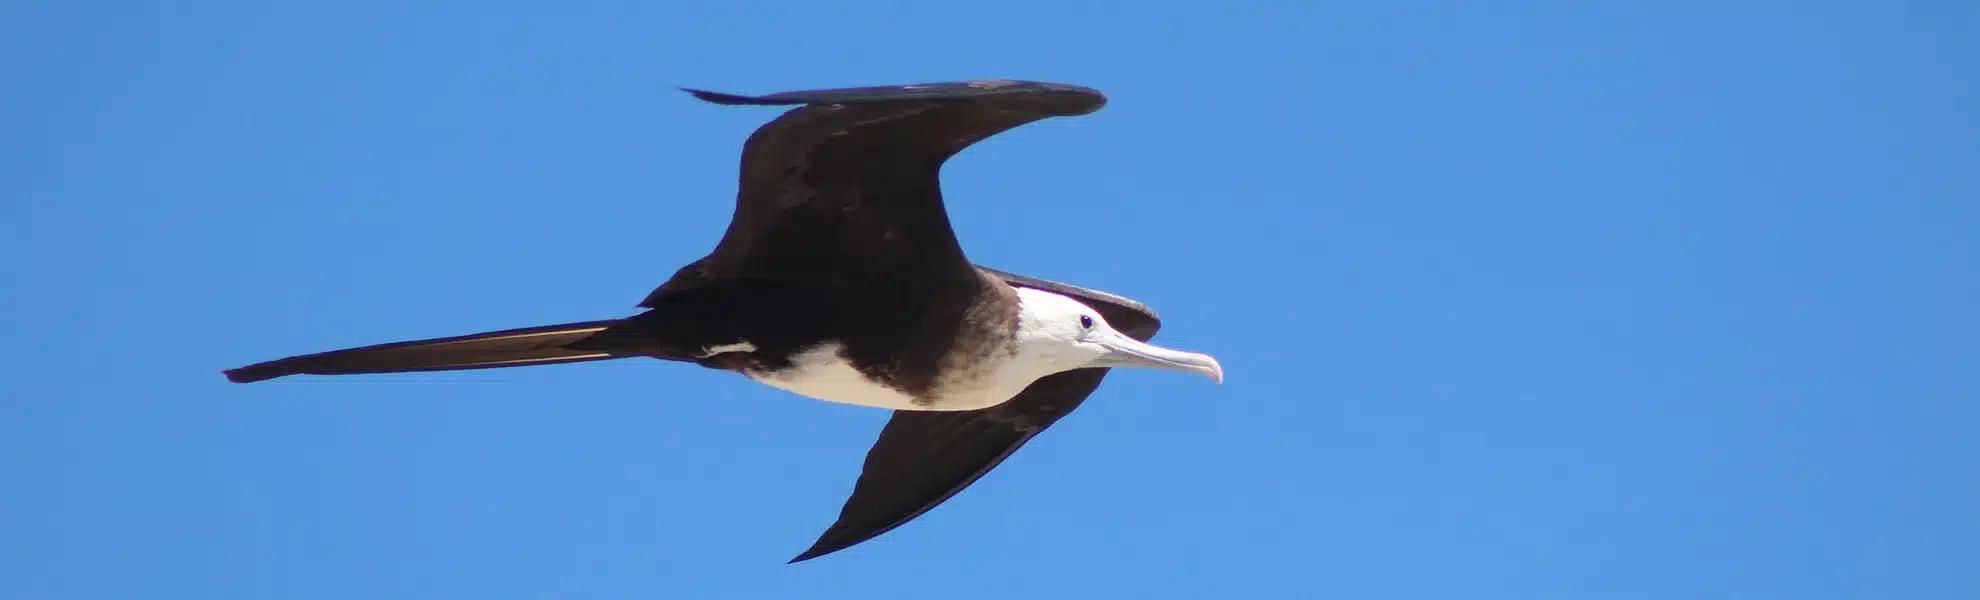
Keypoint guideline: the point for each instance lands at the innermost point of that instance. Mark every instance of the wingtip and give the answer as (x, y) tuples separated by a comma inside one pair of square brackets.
[(724, 98), (248, 375), (811, 553)]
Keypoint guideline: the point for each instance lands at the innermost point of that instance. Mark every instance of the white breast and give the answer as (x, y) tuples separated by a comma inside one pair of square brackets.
[(822, 373)]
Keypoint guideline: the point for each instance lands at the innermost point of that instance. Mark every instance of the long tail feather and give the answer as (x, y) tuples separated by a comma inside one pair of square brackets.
[(543, 345)]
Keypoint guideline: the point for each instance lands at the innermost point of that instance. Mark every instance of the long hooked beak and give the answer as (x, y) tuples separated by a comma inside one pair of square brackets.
[(1124, 351)]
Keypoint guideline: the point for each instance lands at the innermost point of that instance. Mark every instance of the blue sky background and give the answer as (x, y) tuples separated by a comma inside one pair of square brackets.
[(1655, 300)]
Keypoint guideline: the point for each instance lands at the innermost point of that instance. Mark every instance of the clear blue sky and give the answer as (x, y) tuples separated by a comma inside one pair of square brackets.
[(1673, 300)]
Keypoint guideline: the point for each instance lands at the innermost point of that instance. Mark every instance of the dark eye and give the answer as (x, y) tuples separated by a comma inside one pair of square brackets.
[(1085, 322)]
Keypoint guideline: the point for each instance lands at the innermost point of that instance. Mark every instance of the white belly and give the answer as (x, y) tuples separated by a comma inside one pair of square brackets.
[(821, 373)]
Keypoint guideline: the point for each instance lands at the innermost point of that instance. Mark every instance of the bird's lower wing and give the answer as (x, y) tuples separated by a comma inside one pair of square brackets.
[(923, 458)]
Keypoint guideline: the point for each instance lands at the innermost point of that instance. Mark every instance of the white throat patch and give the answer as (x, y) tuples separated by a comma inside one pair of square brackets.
[(1048, 341)]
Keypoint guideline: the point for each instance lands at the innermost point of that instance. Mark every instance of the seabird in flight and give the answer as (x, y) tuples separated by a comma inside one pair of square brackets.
[(840, 279)]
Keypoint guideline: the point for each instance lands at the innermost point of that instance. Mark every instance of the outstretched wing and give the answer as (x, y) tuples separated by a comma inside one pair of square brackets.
[(923, 458), (845, 190)]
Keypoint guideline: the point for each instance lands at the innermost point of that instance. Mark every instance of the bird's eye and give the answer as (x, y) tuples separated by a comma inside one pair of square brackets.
[(1085, 322)]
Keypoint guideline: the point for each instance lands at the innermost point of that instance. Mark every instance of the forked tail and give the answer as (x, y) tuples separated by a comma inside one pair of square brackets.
[(543, 345)]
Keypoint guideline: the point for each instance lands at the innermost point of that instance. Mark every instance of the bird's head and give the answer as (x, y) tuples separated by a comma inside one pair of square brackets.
[(1056, 333)]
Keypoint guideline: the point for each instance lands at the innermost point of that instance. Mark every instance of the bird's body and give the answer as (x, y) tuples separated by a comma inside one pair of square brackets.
[(840, 279)]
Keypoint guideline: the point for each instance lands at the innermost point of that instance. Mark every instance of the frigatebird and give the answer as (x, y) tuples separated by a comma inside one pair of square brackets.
[(840, 279)]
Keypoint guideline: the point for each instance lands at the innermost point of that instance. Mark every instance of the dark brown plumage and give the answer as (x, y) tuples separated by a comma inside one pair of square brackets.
[(839, 235)]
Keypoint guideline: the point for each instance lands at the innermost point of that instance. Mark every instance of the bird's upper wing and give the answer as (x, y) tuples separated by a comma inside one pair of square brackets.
[(845, 189), (923, 458)]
